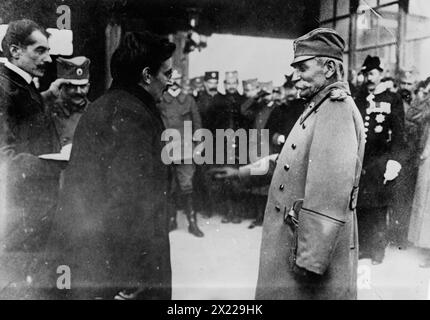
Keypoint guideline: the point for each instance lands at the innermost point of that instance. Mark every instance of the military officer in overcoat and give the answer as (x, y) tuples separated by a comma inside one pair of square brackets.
[(309, 242), (383, 114)]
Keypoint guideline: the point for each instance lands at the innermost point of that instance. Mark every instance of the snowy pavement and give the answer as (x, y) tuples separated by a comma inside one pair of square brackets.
[(224, 265)]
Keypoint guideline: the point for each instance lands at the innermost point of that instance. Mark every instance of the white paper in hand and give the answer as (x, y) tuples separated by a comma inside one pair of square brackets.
[(64, 154)]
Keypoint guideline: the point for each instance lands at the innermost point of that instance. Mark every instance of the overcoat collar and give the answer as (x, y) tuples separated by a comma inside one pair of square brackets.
[(142, 95), (322, 95)]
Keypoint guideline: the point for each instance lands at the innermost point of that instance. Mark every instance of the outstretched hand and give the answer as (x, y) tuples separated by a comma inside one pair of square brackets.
[(224, 173)]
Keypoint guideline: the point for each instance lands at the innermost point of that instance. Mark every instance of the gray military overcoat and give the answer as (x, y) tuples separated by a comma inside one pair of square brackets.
[(320, 164)]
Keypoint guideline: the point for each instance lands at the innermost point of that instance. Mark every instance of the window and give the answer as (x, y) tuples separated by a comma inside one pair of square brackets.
[(377, 30), (417, 38)]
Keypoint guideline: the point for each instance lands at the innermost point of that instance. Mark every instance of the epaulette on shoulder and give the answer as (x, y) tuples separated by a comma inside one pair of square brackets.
[(338, 95)]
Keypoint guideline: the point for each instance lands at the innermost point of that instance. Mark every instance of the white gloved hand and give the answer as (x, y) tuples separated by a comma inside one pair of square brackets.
[(261, 167), (392, 170)]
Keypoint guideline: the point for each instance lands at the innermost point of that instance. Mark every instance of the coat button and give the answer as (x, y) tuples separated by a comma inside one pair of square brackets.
[(303, 126), (281, 187), (278, 208), (287, 167), (293, 146)]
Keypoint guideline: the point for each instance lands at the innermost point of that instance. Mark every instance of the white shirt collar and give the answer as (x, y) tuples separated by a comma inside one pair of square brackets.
[(27, 77)]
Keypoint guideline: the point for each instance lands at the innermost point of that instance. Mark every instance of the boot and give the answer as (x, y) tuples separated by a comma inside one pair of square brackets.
[(255, 223), (193, 228)]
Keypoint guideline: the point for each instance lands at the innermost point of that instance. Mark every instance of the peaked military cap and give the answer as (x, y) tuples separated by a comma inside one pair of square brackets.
[(267, 86), (321, 42), (196, 82), (251, 82), (232, 75), (77, 69), (211, 75)]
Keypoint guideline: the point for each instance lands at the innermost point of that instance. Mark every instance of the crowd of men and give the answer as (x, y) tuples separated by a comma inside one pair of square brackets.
[(262, 106), (106, 212)]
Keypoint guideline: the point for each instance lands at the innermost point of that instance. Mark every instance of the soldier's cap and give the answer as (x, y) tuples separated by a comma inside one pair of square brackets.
[(196, 82), (76, 70), (267, 86), (251, 82), (371, 63), (321, 42), (277, 89), (211, 75), (407, 76), (232, 75)]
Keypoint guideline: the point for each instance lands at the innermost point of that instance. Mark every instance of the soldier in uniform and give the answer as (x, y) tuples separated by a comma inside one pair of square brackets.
[(72, 101), (196, 86), (176, 107), (205, 97), (383, 115), (309, 241), (250, 88), (403, 198)]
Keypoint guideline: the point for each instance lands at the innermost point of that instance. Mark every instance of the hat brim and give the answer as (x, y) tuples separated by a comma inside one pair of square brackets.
[(366, 69), (79, 82), (300, 59)]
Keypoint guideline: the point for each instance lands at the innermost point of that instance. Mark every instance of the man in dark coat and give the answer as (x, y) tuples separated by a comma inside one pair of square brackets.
[(309, 241), (224, 114), (257, 111), (111, 225), (28, 184), (383, 114), (284, 117), (205, 97), (204, 199)]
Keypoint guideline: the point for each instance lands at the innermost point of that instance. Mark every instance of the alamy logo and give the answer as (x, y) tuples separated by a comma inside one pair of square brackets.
[(64, 20), (202, 147), (64, 280)]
